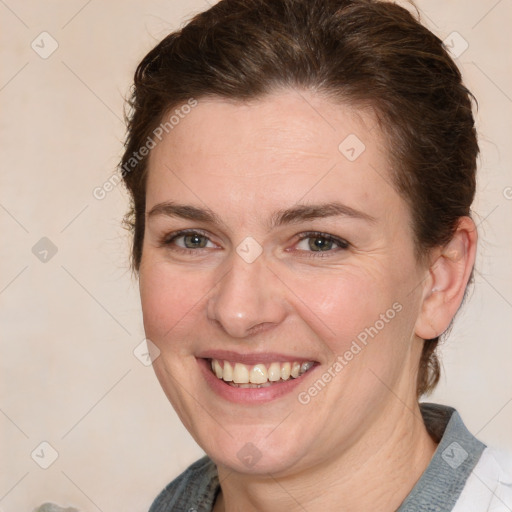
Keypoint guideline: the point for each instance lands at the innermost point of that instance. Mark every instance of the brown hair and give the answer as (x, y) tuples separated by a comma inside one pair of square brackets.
[(364, 52)]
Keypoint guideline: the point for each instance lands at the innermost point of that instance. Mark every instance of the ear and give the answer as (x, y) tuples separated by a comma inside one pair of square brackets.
[(449, 274)]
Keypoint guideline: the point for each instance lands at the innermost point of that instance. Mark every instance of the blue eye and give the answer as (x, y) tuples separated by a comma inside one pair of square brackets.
[(320, 242), (189, 240)]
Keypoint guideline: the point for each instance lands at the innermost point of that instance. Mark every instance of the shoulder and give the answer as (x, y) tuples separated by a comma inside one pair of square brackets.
[(489, 487), (195, 489)]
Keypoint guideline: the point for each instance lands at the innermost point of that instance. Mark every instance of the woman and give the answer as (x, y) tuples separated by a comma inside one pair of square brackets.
[(302, 174)]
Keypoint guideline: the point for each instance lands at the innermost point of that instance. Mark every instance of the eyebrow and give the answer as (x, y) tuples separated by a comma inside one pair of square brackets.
[(291, 215), (170, 209), (301, 213)]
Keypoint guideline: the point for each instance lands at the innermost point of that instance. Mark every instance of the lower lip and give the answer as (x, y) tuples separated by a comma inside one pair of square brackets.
[(249, 395)]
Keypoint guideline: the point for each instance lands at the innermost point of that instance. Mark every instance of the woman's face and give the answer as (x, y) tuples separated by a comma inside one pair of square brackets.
[(273, 237)]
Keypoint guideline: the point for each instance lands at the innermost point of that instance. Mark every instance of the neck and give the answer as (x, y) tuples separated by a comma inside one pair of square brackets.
[(376, 473)]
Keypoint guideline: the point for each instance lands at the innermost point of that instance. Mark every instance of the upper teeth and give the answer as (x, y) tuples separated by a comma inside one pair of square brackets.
[(259, 373)]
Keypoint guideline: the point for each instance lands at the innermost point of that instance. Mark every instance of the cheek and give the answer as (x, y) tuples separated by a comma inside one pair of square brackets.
[(342, 302), (356, 305), (169, 299), (365, 322)]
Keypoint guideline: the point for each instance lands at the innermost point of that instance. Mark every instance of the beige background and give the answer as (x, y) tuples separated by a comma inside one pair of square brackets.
[(69, 325)]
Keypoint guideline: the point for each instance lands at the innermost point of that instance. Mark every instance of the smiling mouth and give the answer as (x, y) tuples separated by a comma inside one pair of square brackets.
[(259, 375)]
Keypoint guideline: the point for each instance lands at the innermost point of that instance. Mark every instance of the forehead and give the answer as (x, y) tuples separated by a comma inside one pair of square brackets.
[(281, 149)]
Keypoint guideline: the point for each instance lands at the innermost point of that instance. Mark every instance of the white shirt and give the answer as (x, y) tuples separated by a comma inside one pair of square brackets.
[(489, 486)]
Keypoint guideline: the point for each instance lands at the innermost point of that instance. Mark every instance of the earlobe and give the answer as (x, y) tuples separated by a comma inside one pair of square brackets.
[(449, 274)]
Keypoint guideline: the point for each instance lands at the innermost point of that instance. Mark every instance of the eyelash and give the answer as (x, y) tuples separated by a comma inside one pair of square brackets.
[(342, 244), (169, 239)]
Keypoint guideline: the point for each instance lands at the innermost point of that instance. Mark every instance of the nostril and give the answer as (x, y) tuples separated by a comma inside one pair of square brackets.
[(264, 326)]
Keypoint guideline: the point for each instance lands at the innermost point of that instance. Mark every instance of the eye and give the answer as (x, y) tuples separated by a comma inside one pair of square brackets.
[(320, 242), (189, 240)]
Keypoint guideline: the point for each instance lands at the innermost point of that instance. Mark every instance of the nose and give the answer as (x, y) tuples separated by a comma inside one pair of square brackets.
[(248, 299)]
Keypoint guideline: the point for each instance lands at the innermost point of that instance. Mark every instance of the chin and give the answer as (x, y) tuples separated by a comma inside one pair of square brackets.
[(252, 450)]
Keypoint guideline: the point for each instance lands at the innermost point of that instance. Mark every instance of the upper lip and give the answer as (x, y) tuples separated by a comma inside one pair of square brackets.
[(252, 358)]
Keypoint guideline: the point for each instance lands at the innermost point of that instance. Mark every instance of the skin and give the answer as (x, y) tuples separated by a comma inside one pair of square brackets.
[(360, 443)]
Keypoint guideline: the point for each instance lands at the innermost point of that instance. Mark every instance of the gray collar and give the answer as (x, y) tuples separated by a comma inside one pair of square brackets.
[(457, 454)]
